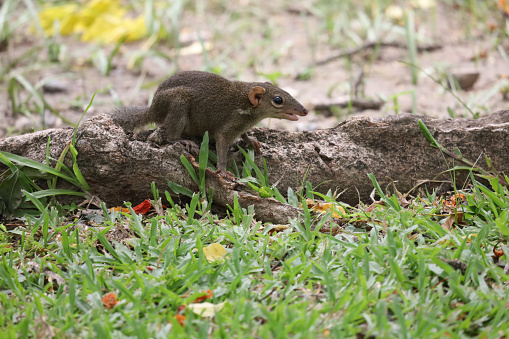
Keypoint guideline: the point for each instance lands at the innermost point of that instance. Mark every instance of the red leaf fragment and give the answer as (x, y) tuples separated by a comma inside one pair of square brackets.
[(181, 319), (498, 252), (456, 200), (207, 296), (143, 208)]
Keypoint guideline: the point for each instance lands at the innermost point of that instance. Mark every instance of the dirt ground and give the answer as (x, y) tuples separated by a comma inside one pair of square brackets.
[(289, 42)]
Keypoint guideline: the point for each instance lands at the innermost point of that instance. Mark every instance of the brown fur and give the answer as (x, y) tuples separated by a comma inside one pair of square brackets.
[(190, 103)]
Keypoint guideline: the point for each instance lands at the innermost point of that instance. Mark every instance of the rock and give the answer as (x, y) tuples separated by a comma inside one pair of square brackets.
[(55, 86), (465, 80)]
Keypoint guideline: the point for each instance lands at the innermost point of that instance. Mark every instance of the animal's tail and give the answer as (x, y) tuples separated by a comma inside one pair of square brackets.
[(131, 117)]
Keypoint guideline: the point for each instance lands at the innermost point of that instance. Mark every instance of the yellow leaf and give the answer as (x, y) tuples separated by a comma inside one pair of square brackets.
[(214, 252), (394, 12), (135, 29), (97, 20), (102, 6), (49, 15), (196, 48), (69, 23), (424, 4), (322, 207), (206, 309)]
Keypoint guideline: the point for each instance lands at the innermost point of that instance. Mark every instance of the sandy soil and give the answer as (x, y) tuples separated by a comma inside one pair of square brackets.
[(290, 45)]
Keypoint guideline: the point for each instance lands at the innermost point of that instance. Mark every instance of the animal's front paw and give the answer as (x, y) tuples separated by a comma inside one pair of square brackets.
[(191, 146), (251, 141), (156, 137), (226, 174)]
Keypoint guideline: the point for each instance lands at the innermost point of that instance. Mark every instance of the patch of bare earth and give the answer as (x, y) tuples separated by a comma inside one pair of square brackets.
[(386, 77)]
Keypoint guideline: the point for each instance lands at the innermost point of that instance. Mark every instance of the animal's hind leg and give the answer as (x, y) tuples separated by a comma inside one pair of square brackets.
[(170, 109)]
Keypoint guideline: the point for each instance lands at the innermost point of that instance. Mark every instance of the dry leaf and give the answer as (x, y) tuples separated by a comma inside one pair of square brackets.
[(449, 222), (196, 48), (43, 329), (498, 252), (278, 228), (181, 319), (322, 207), (455, 200), (394, 12), (208, 295), (97, 20), (206, 309), (119, 209), (110, 300), (214, 252), (143, 208), (424, 4), (504, 5)]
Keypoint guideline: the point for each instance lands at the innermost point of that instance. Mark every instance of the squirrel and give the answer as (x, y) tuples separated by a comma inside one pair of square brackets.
[(190, 103)]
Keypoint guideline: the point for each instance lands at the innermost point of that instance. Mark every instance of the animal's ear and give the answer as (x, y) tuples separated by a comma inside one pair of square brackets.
[(255, 95)]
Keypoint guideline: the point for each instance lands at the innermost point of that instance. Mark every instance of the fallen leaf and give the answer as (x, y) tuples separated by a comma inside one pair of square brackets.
[(394, 12), (278, 228), (498, 252), (214, 252), (143, 208), (470, 237), (195, 48), (43, 329), (449, 222), (206, 309), (110, 300), (424, 4), (323, 207), (119, 209), (455, 200), (208, 295), (503, 5), (413, 237), (104, 21), (181, 319)]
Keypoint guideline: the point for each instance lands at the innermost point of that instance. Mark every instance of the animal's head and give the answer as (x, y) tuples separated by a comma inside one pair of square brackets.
[(273, 102)]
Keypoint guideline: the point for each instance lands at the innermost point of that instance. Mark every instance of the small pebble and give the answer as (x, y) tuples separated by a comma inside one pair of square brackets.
[(55, 87)]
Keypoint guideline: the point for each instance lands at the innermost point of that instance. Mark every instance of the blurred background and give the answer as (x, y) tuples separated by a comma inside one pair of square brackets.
[(445, 58)]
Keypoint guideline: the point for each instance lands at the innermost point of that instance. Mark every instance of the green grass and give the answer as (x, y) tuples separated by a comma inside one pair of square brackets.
[(387, 273), (391, 269), (384, 275)]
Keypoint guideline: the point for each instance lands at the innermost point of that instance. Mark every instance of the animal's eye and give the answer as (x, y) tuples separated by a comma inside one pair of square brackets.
[(278, 100)]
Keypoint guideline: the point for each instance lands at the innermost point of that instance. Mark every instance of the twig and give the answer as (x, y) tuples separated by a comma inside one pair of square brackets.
[(353, 51), (359, 80), (360, 104)]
